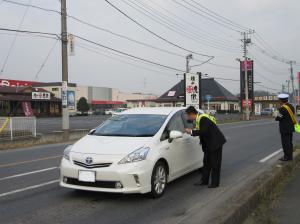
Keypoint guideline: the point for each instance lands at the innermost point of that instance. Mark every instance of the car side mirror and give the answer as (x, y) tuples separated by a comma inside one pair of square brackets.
[(175, 135), (92, 131)]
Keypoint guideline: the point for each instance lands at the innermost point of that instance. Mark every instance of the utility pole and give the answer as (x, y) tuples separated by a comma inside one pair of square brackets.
[(288, 86), (246, 41), (282, 88), (188, 58), (64, 57), (292, 80)]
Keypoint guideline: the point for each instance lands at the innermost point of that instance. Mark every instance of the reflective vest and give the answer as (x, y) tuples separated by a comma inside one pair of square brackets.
[(199, 116)]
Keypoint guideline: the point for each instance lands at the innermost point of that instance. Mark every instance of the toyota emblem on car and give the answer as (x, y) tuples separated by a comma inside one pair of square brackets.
[(89, 160)]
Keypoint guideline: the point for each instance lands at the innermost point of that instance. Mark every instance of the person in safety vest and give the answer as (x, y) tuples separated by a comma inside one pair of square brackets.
[(212, 141), (286, 126)]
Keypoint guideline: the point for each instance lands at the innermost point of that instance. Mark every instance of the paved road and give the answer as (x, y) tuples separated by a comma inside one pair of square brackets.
[(35, 198), (47, 125)]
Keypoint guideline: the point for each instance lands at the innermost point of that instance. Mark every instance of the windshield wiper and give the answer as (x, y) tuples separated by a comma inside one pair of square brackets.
[(123, 135)]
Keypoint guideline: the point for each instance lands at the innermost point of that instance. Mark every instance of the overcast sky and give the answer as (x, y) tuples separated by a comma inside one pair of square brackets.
[(277, 21)]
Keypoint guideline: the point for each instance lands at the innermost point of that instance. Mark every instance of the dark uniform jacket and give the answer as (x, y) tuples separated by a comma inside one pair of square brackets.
[(286, 125), (211, 137)]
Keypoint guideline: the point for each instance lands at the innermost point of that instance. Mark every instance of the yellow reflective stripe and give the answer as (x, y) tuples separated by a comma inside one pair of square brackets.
[(4, 124), (294, 120), (199, 116)]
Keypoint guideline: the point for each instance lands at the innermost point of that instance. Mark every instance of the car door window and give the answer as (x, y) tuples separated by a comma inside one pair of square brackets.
[(175, 124), (186, 122)]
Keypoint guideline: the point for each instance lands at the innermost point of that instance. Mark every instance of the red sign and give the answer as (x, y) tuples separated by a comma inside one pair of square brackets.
[(299, 77), (27, 109), (14, 83), (249, 102), (98, 102), (249, 65), (189, 89)]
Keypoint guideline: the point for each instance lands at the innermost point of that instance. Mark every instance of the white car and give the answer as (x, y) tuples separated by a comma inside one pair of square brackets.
[(108, 111), (138, 151), (118, 111)]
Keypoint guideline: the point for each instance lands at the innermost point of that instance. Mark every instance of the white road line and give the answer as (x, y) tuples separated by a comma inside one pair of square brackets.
[(270, 156), (29, 173), (28, 188)]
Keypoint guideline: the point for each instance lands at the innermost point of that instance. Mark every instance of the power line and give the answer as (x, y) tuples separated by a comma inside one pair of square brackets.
[(129, 55), (174, 26), (230, 22), (31, 6), (153, 33), (99, 28), (208, 18), (186, 22), (122, 61), (45, 60), (30, 32), (14, 40)]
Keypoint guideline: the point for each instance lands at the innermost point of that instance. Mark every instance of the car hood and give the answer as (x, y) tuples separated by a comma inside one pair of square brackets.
[(109, 145)]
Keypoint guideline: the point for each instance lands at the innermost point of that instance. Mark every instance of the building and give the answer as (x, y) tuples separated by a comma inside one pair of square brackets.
[(222, 100), (267, 101), (56, 89), (28, 101), (99, 98)]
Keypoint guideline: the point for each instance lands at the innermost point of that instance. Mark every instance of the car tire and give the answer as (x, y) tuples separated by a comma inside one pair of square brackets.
[(159, 180)]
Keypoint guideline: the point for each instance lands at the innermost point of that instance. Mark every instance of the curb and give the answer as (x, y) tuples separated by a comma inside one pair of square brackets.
[(239, 208)]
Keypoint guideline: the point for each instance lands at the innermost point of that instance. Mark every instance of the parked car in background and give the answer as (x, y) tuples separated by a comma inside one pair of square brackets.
[(118, 111), (108, 111), (138, 151), (267, 112), (211, 112)]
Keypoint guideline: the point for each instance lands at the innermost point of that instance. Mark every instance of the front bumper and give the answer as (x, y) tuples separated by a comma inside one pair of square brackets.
[(133, 177)]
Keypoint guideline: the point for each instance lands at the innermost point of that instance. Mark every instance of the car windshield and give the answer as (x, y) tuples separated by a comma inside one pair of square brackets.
[(133, 125)]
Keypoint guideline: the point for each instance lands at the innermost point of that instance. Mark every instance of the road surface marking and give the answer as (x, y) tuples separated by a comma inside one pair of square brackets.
[(270, 156), (28, 161), (29, 173), (28, 188)]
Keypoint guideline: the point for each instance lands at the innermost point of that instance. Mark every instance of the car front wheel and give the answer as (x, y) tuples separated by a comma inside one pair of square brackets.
[(159, 180)]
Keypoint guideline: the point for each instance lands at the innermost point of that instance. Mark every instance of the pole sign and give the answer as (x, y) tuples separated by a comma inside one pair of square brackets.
[(64, 94), (193, 90), (250, 85)]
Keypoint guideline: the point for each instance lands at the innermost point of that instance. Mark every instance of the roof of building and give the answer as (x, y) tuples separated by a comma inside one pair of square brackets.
[(20, 89), (9, 93), (208, 87), (52, 84)]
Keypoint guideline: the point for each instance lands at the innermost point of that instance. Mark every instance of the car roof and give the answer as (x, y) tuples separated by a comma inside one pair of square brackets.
[(153, 110)]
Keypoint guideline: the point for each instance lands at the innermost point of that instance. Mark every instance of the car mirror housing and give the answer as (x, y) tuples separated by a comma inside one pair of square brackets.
[(175, 134), (92, 131)]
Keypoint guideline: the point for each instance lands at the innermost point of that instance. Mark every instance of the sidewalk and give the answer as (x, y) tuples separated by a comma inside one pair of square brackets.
[(288, 204)]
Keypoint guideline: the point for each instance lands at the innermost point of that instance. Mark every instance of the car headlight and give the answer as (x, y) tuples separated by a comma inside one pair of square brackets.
[(138, 155), (67, 152)]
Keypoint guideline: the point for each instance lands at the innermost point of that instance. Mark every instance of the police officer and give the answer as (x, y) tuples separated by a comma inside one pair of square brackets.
[(212, 141), (286, 126)]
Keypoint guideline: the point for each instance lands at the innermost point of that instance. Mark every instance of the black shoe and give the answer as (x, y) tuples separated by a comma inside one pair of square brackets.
[(201, 183), (213, 186), (284, 159)]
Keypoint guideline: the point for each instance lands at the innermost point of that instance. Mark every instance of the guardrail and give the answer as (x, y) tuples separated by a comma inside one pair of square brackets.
[(12, 128)]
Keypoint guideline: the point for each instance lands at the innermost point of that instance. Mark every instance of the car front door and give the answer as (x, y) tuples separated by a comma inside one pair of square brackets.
[(175, 149), (194, 153)]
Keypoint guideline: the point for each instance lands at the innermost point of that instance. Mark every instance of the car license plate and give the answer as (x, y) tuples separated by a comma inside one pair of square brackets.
[(87, 176)]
